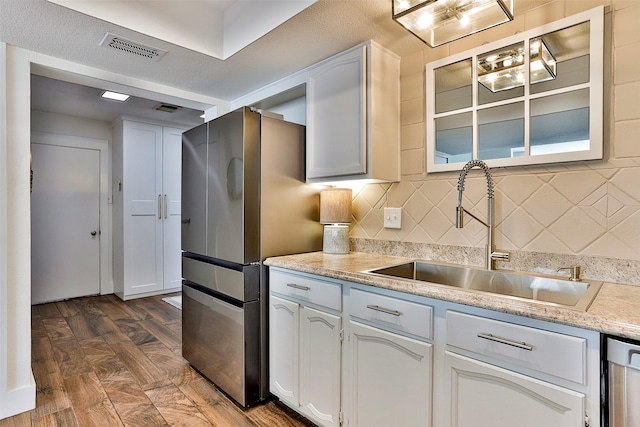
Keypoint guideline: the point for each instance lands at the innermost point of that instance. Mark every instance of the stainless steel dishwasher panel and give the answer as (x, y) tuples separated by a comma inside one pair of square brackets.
[(623, 383)]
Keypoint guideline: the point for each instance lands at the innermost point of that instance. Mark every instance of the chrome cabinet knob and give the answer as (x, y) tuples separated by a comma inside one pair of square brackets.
[(94, 232)]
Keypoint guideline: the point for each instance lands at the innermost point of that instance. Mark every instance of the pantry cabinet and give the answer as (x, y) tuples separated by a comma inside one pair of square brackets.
[(353, 116), (305, 345), (146, 209)]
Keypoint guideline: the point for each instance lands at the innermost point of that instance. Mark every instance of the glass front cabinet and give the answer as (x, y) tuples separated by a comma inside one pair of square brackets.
[(535, 97)]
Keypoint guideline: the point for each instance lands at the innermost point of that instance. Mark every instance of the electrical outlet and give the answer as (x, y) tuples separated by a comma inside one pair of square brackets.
[(392, 217)]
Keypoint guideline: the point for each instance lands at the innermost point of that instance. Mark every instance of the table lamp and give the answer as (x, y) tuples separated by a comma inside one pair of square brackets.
[(335, 214)]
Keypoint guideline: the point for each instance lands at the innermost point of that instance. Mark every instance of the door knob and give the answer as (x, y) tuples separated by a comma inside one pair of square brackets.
[(94, 232)]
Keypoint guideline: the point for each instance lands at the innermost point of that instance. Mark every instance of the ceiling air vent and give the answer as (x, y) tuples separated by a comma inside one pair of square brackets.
[(135, 48), (168, 108)]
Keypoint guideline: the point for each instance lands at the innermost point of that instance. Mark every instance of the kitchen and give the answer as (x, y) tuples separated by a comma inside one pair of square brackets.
[(604, 192)]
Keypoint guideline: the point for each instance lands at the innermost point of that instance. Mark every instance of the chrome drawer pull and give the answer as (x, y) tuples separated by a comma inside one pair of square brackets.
[(384, 310), (302, 288), (522, 345)]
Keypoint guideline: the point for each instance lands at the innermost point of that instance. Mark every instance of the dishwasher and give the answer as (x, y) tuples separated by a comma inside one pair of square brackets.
[(623, 383)]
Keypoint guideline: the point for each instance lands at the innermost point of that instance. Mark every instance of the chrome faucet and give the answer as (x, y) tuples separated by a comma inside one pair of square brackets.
[(490, 253)]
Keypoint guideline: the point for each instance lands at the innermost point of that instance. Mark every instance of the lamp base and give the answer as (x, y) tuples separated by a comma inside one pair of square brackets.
[(335, 239)]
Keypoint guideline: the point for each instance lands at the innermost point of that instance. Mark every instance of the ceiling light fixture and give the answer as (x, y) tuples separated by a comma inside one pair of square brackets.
[(503, 70), (114, 96), (436, 22)]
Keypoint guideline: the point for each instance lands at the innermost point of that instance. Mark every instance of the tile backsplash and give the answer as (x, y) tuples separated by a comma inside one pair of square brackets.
[(584, 213)]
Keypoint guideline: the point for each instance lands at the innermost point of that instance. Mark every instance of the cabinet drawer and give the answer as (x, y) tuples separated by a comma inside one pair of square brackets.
[(315, 291), (397, 314), (563, 356)]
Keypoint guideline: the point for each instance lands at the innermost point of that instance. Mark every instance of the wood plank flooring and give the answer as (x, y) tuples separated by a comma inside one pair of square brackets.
[(100, 361)]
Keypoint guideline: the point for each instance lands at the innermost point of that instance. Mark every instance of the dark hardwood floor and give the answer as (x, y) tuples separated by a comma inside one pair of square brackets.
[(99, 361)]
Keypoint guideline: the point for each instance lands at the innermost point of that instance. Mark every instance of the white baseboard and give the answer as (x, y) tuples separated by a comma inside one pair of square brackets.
[(16, 401)]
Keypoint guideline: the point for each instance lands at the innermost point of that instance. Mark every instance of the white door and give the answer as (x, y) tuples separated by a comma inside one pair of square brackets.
[(284, 330), (484, 395), (320, 353), (336, 117), (390, 379), (65, 223), (171, 228)]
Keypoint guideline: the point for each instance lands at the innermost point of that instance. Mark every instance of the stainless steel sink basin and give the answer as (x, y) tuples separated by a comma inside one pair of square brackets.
[(549, 290)]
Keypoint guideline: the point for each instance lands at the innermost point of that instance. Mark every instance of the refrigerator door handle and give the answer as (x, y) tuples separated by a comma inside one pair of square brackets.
[(159, 206)]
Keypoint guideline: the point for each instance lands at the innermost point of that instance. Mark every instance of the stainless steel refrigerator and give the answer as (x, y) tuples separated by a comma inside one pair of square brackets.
[(244, 199)]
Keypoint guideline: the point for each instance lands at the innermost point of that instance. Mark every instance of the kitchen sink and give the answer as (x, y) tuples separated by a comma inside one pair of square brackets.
[(548, 290)]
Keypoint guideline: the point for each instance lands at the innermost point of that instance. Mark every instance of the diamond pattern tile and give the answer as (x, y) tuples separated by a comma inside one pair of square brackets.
[(417, 206), (520, 228), (583, 208), (575, 186), (577, 229), (519, 187), (627, 181), (436, 224), (628, 231), (546, 205)]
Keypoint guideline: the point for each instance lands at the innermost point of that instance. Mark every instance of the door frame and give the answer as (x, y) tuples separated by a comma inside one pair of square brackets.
[(101, 145)]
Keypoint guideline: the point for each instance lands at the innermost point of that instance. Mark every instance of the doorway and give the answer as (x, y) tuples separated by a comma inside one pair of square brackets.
[(66, 219)]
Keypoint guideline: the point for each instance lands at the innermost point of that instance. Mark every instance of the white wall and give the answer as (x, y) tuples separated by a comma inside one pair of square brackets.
[(17, 390), (294, 111), (61, 124)]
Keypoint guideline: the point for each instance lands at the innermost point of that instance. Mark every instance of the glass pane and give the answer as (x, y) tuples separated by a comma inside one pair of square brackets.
[(560, 59), (454, 138), (453, 86), (501, 132), (501, 74), (560, 123)]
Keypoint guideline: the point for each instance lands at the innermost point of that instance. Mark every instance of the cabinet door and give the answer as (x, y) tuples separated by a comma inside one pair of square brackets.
[(142, 206), (284, 330), (390, 379), (484, 395), (171, 227), (320, 353), (337, 116)]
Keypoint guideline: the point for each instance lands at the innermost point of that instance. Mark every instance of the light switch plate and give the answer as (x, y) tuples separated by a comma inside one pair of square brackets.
[(392, 217)]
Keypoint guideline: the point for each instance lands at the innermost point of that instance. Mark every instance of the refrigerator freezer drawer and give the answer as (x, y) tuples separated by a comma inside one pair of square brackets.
[(221, 341), (236, 281)]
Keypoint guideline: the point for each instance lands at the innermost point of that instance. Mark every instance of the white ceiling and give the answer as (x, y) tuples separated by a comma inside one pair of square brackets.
[(218, 28), (323, 29)]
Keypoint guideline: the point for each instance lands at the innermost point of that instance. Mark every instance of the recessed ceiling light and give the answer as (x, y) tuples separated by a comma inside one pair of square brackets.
[(114, 96)]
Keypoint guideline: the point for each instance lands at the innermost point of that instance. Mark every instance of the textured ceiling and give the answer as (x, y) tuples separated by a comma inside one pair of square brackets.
[(325, 28)]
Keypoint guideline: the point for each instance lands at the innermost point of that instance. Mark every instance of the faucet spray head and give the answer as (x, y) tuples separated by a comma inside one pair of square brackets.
[(459, 217)]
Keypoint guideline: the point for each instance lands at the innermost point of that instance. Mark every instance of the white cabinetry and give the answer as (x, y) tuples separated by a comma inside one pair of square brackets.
[(146, 174), (305, 348), (390, 373), (415, 361), (390, 379), (485, 395), (353, 116)]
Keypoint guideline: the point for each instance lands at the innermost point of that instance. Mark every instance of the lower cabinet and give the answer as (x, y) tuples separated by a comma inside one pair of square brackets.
[(390, 382), (483, 395), (413, 361), (305, 347)]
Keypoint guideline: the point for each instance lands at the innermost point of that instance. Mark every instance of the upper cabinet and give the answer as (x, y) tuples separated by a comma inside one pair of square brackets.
[(353, 116), (532, 98)]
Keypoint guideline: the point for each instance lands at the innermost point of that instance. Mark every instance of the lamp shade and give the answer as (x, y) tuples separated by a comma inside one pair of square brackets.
[(335, 206), (441, 21)]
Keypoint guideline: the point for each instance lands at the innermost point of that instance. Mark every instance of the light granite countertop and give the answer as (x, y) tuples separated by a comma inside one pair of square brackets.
[(615, 310)]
